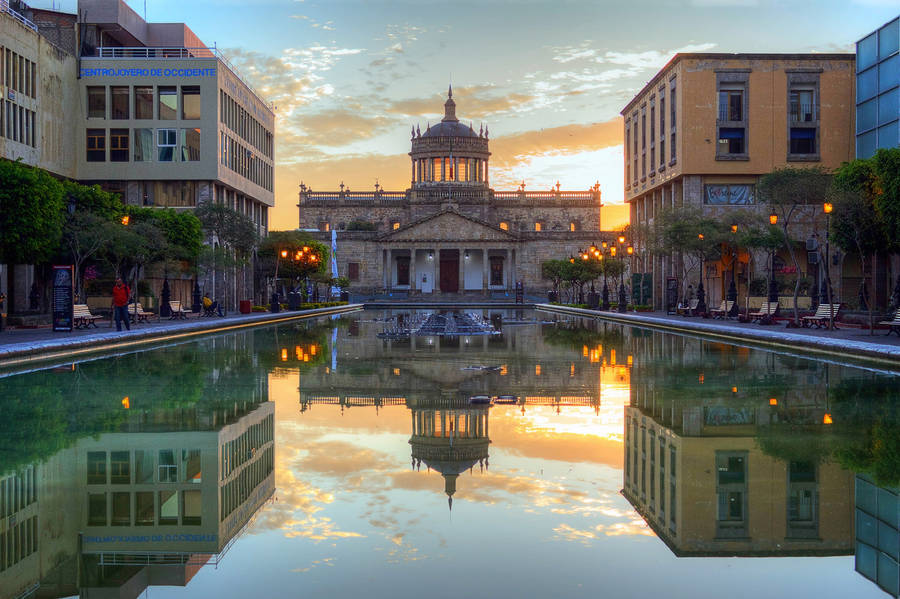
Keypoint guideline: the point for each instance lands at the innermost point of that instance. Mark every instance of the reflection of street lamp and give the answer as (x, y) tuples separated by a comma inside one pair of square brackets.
[(732, 288), (827, 208)]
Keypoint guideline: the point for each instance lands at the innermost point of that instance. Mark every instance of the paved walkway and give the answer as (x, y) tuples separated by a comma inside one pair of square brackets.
[(23, 345), (846, 342)]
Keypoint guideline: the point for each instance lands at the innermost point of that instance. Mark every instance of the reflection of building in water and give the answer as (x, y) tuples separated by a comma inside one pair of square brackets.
[(878, 534), (520, 362), (123, 511), (706, 488), (449, 437)]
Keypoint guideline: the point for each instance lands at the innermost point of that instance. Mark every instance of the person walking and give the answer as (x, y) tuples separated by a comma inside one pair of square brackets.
[(121, 293)]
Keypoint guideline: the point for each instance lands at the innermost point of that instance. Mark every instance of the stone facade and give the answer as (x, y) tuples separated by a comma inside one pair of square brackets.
[(450, 232)]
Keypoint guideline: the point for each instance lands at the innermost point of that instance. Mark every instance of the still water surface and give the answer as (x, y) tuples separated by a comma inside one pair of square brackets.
[(319, 459)]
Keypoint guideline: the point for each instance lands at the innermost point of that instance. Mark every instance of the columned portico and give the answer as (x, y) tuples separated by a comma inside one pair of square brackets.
[(440, 269)]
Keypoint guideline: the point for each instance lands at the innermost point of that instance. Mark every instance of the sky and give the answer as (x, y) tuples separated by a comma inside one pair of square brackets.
[(548, 78)]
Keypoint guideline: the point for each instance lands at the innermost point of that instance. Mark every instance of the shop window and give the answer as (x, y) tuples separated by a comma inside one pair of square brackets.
[(168, 103), (118, 145), (143, 102), (96, 102), (143, 145), (190, 102), (190, 145), (96, 145), (165, 143), (120, 100)]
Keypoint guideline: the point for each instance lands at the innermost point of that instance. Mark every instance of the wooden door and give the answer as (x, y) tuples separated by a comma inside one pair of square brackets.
[(449, 280)]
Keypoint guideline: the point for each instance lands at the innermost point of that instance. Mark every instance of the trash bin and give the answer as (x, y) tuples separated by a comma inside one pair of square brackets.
[(274, 304), (294, 300), (245, 306)]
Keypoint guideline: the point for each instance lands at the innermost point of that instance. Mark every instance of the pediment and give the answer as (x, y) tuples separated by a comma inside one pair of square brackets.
[(448, 226)]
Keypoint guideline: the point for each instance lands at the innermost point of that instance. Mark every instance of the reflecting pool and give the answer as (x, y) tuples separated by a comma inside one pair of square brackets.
[(349, 457)]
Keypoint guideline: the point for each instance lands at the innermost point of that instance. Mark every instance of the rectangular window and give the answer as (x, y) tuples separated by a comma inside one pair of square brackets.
[(662, 151), (168, 103), (732, 195), (96, 468), (731, 140), (165, 143), (190, 102), (96, 509), (143, 467), (803, 140), (96, 102), (143, 508), (118, 145), (731, 105), (643, 130), (190, 465), (652, 124), (538, 225), (190, 145), (193, 508), (672, 147), (803, 105), (121, 509), (120, 467), (662, 116), (353, 271), (143, 102), (168, 508), (119, 101), (168, 469), (96, 145), (143, 145)]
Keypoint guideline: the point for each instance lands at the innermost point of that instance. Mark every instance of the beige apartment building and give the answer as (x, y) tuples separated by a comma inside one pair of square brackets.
[(707, 126)]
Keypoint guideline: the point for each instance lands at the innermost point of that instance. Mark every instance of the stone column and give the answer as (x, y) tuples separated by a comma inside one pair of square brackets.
[(486, 272), (412, 269), (508, 270), (462, 270), (390, 268)]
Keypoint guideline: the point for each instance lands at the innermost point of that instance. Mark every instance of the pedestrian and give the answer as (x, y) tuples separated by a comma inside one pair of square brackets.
[(121, 293)]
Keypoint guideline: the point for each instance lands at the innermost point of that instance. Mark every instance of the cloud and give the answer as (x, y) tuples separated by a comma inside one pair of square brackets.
[(650, 59), (478, 101), (336, 126), (511, 149)]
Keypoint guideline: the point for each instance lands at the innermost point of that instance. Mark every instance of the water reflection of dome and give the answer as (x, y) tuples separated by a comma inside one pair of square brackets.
[(450, 439)]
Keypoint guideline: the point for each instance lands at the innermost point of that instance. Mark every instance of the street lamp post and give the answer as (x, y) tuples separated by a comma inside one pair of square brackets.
[(827, 208), (701, 293), (773, 285), (732, 287)]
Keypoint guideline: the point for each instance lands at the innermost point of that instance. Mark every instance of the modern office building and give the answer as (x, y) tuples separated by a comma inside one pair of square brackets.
[(878, 90), (706, 127), (878, 534), (146, 110)]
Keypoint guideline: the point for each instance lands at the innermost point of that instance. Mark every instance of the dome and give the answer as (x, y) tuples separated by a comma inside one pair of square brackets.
[(450, 129)]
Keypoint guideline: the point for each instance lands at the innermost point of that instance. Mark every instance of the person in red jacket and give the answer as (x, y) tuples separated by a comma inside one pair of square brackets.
[(121, 293)]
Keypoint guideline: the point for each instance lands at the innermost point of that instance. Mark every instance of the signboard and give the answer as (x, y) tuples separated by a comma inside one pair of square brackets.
[(671, 295), (63, 297)]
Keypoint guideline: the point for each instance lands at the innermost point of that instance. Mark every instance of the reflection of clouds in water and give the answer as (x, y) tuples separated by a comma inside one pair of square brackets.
[(316, 529), (632, 527), (327, 561)]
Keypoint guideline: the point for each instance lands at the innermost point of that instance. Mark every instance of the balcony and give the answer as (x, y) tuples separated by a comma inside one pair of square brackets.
[(802, 113)]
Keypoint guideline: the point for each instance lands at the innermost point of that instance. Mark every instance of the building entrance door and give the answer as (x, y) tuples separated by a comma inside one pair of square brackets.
[(449, 271)]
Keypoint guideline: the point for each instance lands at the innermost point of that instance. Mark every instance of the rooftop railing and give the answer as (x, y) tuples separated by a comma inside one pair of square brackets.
[(172, 53), (4, 7)]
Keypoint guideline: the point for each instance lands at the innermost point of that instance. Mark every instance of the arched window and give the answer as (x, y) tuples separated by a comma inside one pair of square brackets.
[(538, 225), (504, 225)]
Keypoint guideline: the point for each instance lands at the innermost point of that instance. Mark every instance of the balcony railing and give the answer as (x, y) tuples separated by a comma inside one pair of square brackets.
[(725, 114), (4, 7), (171, 53), (802, 113)]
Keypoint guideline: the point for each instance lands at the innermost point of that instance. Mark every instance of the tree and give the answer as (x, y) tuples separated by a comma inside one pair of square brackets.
[(688, 232), (856, 223), (555, 271), (645, 245), (885, 192), (789, 191), (85, 234), (236, 235), (292, 243)]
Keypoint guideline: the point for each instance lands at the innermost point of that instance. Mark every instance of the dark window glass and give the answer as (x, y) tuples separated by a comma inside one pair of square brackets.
[(143, 102), (120, 101), (96, 468), (97, 509), (731, 140), (120, 465), (803, 141), (143, 508), (121, 509), (118, 145), (96, 101)]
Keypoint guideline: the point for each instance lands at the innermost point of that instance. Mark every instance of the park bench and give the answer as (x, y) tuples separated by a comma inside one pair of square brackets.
[(137, 312), (178, 311), (823, 314), (691, 308), (766, 310), (893, 324), (723, 310), (82, 317)]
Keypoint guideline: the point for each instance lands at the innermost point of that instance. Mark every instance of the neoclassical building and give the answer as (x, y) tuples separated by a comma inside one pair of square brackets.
[(450, 232)]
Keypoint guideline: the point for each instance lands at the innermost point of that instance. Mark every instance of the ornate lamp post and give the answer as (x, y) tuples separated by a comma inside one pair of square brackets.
[(732, 287), (827, 208), (701, 294), (773, 285)]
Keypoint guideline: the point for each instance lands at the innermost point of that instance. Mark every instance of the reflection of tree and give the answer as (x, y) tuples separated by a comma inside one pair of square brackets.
[(577, 336), (867, 413)]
